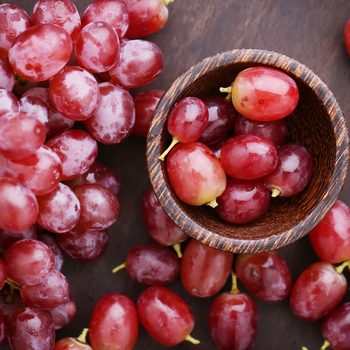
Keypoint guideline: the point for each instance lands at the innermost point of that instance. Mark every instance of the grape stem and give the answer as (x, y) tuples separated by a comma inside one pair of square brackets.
[(325, 345), (340, 269), (226, 90), (213, 204), (13, 286), (177, 248), (82, 336), (173, 143), (304, 348), (192, 340), (168, 2), (275, 192), (234, 289), (119, 267)]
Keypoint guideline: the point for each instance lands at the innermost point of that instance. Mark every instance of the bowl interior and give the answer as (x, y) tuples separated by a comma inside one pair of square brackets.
[(317, 123)]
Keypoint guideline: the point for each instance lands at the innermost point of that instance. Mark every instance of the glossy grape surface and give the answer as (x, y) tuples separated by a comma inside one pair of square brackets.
[(7, 78), (265, 275), (63, 314), (161, 306), (40, 62), (35, 107), (71, 344), (8, 102), (114, 323), (347, 36), (56, 250), (264, 94), (205, 177), (330, 239)]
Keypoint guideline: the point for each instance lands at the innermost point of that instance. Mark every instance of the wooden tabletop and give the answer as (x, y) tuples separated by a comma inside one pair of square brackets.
[(310, 31)]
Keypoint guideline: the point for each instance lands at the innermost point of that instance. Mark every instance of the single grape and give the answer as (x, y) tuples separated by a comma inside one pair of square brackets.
[(204, 270), (30, 329), (59, 210), (331, 237), (3, 275), (8, 238), (140, 62), (18, 206), (99, 207), (35, 107), (2, 326), (63, 314), (292, 173), (248, 157), (265, 275), (159, 225), (317, 291), (7, 78), (145, 106), (74, 93), (112, 12), (40, 62), (221, 119), (98, 174), (13, 21), (71, 344), (347, 36), (83, 245), (205, 177), (151, 264), (114, 323), (114, 118), (243, 201), (39, 92), (56, 250), (28, 261), (77, 150), (97, 48), (146, 17), (60, 12), (336, 328), (264, 94), (21, 135), (8, 102), (165, 316), (276, 131)]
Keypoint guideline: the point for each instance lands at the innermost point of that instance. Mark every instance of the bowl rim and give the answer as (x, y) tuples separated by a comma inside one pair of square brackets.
[(157, 172)]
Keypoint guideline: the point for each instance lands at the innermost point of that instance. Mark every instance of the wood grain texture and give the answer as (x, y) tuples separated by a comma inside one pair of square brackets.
[(307, 30), (317, 123)]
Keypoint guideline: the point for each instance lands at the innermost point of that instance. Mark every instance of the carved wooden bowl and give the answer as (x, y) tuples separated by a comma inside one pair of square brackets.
[(318, 123)]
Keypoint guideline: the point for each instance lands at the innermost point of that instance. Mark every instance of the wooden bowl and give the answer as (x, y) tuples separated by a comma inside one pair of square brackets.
[(318, 123)]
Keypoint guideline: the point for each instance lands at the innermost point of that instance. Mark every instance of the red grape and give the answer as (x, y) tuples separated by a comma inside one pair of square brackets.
[(13, 21), (161, 228), (60, 12), (293, 171), (115, 115), (204, 270), (2, 326), (265, 275), (71, 344), (205, 177), (243, 201), (99, 207), (18, 206), (8, 238), (77, 150), (74, 93), (3, 275), (59, 210), (165, 316), (30, 329), (35, 107), (83, 245), (50, 292), (21, 135), (152, 264), (7, 78), (221, 118), (264, 94), (97, 48), (145, 105), (8, 102), (56, 251), (317, 291), (114, 323), (140, 62), (112, 12), (248, 157), (40, 92), (28, 261), (347, 36), (40, 62), (276, 131), (331, 237), (63, 314), (99, 174), (146, 17), (336, 328)]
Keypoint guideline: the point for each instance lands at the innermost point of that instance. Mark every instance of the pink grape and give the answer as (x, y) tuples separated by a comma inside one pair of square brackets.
[(7, 78), (8, 102)]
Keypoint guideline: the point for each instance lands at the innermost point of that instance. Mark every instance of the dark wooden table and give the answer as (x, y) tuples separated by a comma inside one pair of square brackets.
[(310, 31)]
